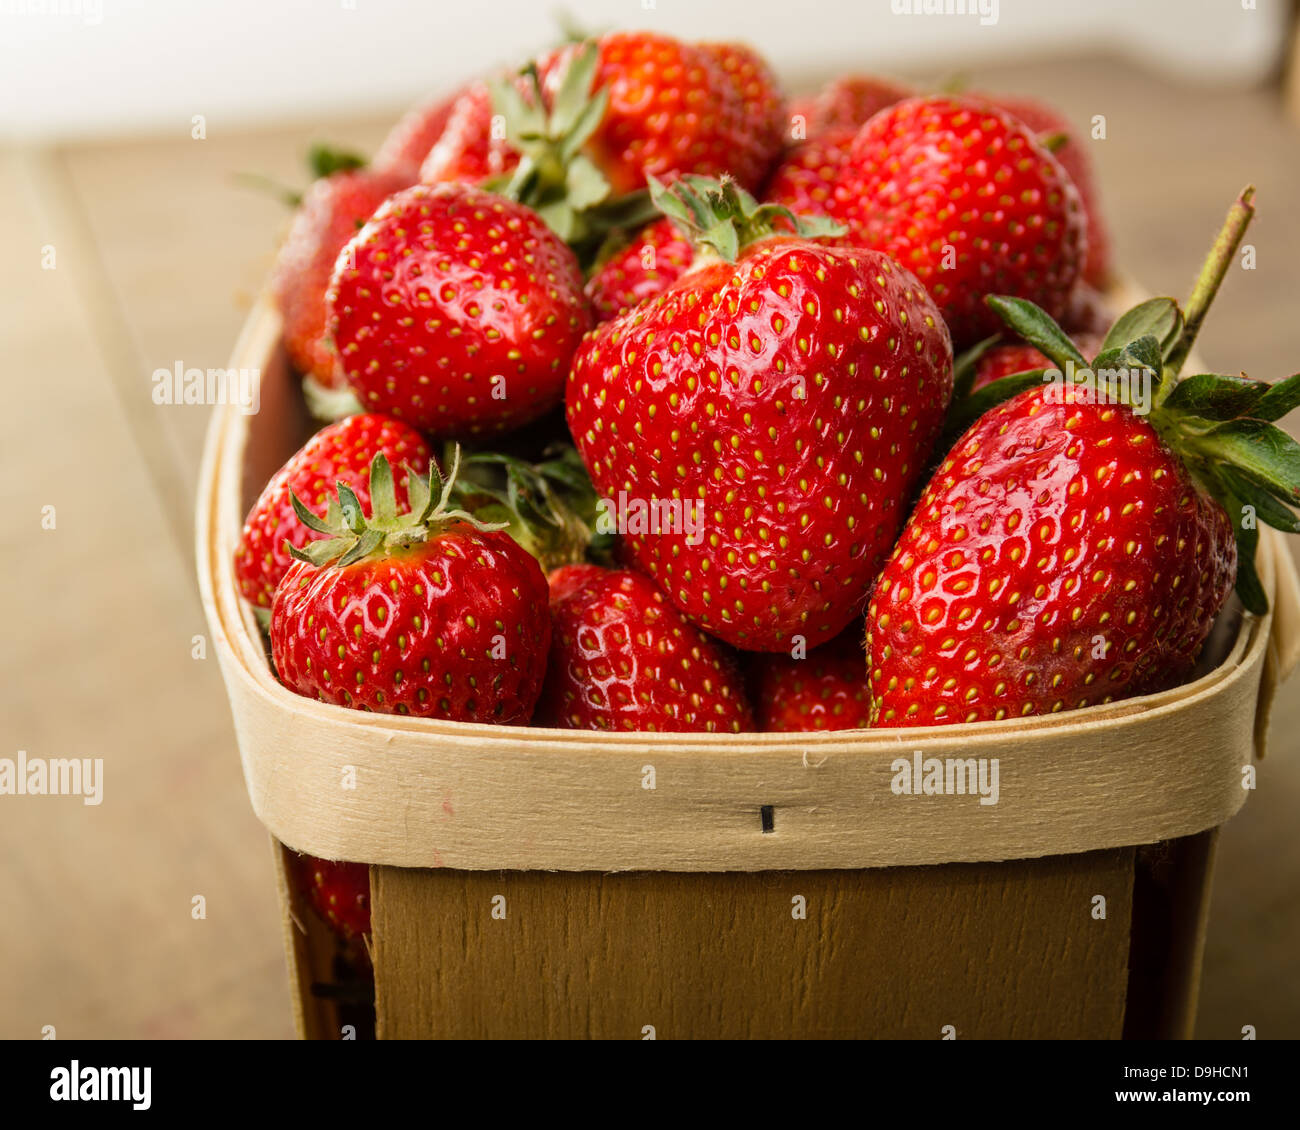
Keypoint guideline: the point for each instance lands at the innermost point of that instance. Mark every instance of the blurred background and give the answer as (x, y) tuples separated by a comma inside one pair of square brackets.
[(129, 245)]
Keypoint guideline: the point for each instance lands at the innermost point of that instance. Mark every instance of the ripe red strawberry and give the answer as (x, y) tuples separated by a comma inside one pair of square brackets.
[(1074, 549), (762, 100), (622, 658), (792, 396), (823, 690), (569, 578), (807, 179), (674, 108), (847, 103), (468, 148), (964, 196), (1073, 155), (657, 257), (342, 451), (338, 891), (424, 612), (1019, 357), (331, 212), (459, 311), (408, 143)]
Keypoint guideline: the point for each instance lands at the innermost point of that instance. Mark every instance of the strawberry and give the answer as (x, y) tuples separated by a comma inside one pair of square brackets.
[(676, 108), (425, 612), (846, 104), (622, 658), (468, 148), (807, 179), (762, 100), (1073, 155), (340, 452), (788, 394), (655, 259), (338, 892), (458, 311), (965, 196), (408, 143), (1074, 548), (331, 212), (823, 690)]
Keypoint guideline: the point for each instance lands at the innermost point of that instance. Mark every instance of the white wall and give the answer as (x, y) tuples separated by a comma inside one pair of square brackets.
[(77, 67)]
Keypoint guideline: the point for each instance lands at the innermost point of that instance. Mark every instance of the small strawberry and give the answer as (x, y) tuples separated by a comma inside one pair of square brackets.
[(1077, 543), (458, 311), (788, 394), (1075, 160), (425, 612), (340, 452), (823, 690), (808, 177), (331, 212), (966, 197), (338, 892), (409, 141), (847, 103), (657, 257), (622, 658)]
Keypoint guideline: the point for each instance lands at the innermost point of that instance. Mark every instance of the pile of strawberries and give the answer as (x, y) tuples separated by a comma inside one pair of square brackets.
[(666, 405)]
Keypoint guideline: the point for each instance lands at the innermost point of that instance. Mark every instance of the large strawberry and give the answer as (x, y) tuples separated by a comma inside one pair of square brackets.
[(338, 891), (655, 258), (424, 612), (331, 212), (623, 658), (826, 689), (1070, 150), (773, 411), (1078, 541), (341, 452), (845, 104), (457, 311), (968, 199)]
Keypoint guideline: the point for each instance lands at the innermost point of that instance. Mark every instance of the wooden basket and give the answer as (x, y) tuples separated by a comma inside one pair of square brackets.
[(533, 882)]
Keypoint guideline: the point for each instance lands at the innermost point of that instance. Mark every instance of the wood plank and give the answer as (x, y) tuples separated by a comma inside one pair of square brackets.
[(1005, 951)]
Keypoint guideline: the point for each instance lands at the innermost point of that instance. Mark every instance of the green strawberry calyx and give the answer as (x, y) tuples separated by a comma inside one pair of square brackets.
[(548, 507), (721, 219), (348, 536), (1222, 427), (554, 176)]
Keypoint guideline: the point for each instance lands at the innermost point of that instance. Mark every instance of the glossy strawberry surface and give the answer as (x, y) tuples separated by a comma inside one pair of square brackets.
[(455, 627), (792, 399), (965, 197), (623, 658), (1060, 557), (459, 313), (826, 689), (331, 212), (341, 451), (657, 256)]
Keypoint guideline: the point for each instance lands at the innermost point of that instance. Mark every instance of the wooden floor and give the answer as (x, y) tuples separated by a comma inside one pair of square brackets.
[(156, 256)]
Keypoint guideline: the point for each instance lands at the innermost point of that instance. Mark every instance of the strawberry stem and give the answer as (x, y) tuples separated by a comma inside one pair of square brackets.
[(1208, 282)]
